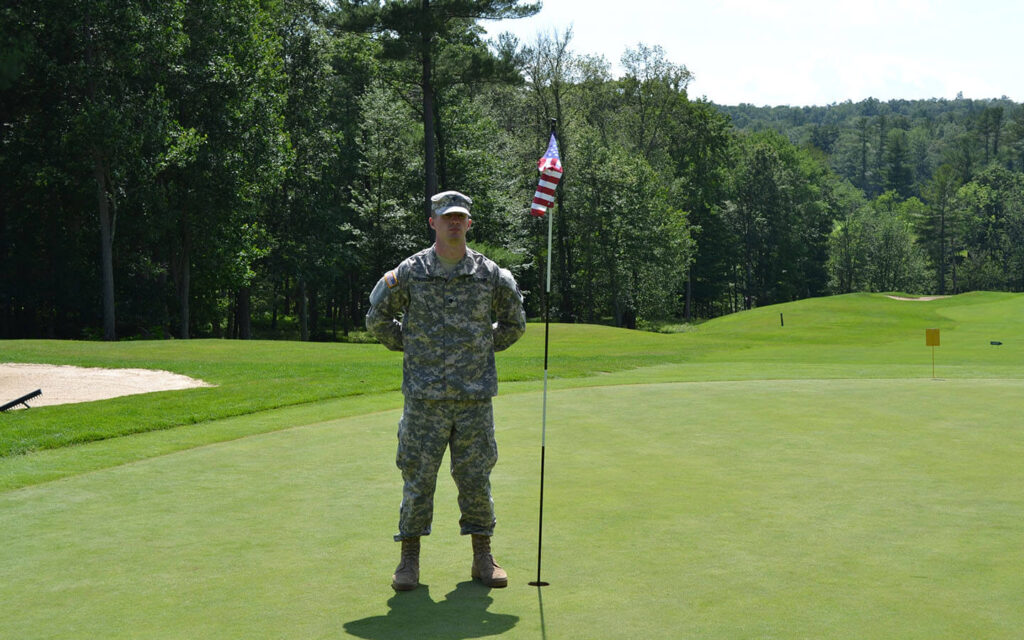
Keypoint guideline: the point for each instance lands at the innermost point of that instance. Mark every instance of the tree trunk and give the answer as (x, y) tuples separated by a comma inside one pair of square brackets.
[(429, 135), (273, 305), (353, 318), (303, 311), (101, 175), (231, 330), (313, 313), (689, 294), (243, 313), (185, 278), (107, 222), (942, 251), (441, 148)]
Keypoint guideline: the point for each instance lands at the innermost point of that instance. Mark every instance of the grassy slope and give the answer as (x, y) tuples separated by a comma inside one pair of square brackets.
[(847, 336), (808, 481)]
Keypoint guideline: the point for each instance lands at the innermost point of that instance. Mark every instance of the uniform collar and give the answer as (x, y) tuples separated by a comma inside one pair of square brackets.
[(468, 265)]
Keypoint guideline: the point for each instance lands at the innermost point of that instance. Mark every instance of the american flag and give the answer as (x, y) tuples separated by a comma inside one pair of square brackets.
[(550, 167)]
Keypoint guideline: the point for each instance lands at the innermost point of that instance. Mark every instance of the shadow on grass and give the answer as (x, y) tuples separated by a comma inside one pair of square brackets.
[(462, 614)]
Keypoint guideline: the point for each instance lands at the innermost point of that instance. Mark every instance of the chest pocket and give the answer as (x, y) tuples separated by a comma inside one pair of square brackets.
[(469, 299), (426, 302)]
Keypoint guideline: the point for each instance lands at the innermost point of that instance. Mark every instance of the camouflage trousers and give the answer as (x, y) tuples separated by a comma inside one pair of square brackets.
[(427, 428)]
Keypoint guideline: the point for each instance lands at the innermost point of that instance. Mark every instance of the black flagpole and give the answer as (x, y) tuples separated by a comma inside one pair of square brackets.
[(544, 411)]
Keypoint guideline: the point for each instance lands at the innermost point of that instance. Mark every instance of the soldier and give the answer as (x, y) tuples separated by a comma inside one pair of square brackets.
[(448, 309)]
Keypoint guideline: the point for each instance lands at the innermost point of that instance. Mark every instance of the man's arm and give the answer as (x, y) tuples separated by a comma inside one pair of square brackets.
[(508, 309), (388, 300)]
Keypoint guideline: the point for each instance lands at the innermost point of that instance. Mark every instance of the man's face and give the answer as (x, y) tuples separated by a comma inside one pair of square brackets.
[(451, 227)]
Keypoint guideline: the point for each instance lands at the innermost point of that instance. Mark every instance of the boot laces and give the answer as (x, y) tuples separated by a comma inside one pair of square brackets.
[(410, 551)]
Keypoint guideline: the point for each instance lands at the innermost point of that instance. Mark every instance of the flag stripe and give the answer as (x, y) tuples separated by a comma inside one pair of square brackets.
[(550, 168)]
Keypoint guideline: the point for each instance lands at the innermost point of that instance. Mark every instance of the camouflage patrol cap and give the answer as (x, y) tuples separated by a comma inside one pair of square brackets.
[(451, 202)]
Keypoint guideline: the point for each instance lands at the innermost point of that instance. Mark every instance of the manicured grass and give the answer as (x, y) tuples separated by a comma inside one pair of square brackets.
[(845, 336), (741, 480), (255, 376), (839, 509)]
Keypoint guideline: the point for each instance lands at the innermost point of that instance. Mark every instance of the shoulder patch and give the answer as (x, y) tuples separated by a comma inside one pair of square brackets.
[(507, 280), (391, 279)]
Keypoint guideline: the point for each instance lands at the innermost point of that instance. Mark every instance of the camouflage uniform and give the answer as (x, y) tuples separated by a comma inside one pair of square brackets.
[(448, 325)]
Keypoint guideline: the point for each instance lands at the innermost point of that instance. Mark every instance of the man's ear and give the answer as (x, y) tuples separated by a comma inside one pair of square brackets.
[(430, 221)]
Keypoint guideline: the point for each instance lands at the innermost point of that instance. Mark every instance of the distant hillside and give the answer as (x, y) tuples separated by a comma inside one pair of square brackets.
[(898, 145)]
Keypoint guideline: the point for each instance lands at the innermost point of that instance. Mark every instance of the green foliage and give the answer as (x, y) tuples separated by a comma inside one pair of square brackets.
[(989, 214), (172, 169), (920, 150), (873, 248), (900, 143), (780, 215)]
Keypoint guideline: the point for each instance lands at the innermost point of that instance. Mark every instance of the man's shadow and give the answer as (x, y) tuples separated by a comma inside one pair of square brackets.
[(462, 614)]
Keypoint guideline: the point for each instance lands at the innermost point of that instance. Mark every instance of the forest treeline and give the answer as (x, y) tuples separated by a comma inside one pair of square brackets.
[(249, 168)]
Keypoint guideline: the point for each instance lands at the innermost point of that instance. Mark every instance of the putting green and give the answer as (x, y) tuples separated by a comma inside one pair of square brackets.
[(783, 508)]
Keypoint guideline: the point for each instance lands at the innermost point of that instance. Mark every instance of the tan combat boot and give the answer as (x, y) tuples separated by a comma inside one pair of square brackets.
[(484, 567), (407, 574)]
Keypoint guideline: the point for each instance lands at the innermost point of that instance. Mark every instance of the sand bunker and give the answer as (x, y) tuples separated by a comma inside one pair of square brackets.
[(62, 384), (921, 299)]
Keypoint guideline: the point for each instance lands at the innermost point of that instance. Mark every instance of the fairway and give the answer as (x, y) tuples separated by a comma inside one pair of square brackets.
[(740, 480)]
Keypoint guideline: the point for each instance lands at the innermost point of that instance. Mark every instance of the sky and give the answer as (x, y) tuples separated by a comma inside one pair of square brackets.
[(805, 52)]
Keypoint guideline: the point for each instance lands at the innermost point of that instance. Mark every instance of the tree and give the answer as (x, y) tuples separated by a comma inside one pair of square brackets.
[(824, 137), (933, 227), (310, 218), (553, 76), (411, 31), (753, 212), (700, 150), (989, 225), (896, 261), (990, 126), (899, 175), (95, 69), (229, 96), (1015, 141), (654, 94), (388, 215), (863, 138), (962, 155), (778, 211), (873, 248), (631, 247), (847, 255)]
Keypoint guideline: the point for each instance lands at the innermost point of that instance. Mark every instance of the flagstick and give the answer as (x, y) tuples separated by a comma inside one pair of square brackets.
[(544, 404), (544, 413)]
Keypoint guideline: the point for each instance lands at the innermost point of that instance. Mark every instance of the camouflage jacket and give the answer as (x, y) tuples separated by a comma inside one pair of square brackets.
[(448, 326)]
